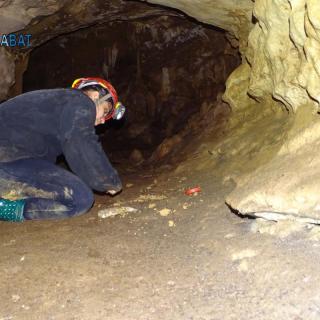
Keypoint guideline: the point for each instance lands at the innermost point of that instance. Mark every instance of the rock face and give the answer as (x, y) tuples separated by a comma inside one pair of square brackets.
[(283, 52), (283, 64), (16, 14), (7, 69), (231, 15), (281, 60), (287, 187)]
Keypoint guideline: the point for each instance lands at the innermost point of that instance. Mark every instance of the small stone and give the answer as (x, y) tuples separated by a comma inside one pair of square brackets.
[(186, 206), (25, 307), (15, 297), (152, 205), (243, 266), (149, 197), (129, 185), (171, 223), (111, 212), (136, 156), (165, 212), (229, 236), (117, 204), (247, 253)]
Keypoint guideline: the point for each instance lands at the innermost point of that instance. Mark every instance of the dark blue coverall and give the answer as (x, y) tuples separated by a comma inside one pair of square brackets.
[(38, 126)]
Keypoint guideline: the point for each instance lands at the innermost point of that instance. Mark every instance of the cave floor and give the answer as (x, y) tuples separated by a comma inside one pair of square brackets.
[(199, 262)]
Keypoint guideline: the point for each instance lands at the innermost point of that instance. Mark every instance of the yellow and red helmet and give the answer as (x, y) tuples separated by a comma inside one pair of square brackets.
[(94, 81)]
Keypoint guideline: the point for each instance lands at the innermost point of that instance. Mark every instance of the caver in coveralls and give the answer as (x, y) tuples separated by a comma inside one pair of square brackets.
[(36, 128)]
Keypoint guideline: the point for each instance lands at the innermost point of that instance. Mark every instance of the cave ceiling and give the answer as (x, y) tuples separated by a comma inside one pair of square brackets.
[(49, 18)]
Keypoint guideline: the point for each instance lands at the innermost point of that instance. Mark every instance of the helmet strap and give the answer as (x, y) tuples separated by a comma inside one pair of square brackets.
[(104, 98)]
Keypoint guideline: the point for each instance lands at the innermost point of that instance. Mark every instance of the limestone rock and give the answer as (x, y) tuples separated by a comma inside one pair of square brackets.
[(230, 15), (16, 14), (111, 212), (136, 156), (7, 71), (166, 147), (283, 50), (137, 129), (283, 54), (287, 187)]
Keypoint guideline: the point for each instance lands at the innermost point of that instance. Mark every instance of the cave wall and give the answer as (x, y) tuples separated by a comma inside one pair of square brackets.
[(7, 71), (283, 52), (17, 14), (281, 71), (233, 16)]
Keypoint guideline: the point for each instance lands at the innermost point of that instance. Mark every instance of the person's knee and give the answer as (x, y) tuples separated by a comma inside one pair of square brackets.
[(116, 182), (83, 199), (85, 203)]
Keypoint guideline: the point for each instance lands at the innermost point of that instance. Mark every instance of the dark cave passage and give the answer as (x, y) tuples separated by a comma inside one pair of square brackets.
[(169, 72)]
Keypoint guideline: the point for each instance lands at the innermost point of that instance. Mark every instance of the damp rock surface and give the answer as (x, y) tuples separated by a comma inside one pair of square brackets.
[(286, 186), (230, 15), (7, 68)]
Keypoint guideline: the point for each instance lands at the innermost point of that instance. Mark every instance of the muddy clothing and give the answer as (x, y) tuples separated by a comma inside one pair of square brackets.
[(49, 191), (46, 123), (41, 125)]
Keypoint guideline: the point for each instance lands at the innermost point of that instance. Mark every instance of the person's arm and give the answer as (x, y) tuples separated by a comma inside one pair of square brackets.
[(83, 152)]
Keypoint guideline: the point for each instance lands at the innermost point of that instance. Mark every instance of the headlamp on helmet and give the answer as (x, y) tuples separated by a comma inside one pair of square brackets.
[(120, 110)]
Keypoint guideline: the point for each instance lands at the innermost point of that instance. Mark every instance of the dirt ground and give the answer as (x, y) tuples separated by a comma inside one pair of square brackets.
[(201, 261)]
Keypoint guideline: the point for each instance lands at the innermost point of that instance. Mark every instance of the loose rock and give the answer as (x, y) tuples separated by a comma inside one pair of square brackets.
[(165, 212), (111, 212)]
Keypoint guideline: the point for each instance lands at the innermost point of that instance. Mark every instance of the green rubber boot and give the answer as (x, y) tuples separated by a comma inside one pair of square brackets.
[(11, 210)]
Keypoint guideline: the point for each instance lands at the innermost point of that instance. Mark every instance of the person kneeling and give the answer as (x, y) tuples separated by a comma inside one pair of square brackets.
[(43, 124)]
